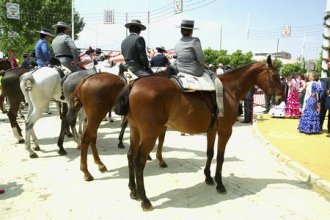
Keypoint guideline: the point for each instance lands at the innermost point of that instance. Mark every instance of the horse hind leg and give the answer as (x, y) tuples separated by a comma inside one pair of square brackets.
[(122, 131), (222, 141), (97, 160), (134, 142), (210, 153), (159, 155)]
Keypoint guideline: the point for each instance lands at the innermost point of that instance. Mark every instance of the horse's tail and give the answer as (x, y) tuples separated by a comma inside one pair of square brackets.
[(122, 101), (27, 81)]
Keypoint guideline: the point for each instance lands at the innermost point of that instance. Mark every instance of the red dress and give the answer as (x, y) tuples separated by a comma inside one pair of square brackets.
[(292, 103)]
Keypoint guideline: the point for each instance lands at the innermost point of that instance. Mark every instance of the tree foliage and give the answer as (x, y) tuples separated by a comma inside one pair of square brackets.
[(34, 15), (238, 58), (288, 69)]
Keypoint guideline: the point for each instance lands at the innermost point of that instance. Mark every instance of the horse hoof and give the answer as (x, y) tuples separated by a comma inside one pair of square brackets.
[(134, 196), (34, 155), (102, 168), (146, 206), (22, 141), (221, 189), (88, 178), (163, 165), (209, 181), (121, 145), (36, 148), (149, 158), (111, 120), (62, 152)]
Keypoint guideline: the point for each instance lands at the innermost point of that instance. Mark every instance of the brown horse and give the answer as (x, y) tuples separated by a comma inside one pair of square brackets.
[(155, 102), (96, 94)]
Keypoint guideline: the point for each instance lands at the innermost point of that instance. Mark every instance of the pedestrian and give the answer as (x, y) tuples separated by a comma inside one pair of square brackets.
[(248, 106), (220, 69), (159, 60), (301, 91), (292, 105), (133, 49), (11, 58), (309, 122), (64, 47), (25, 64), (41, 49), (325, 85), (88, 58)]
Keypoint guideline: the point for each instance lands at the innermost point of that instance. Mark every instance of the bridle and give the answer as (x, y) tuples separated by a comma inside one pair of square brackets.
[(271, 81)]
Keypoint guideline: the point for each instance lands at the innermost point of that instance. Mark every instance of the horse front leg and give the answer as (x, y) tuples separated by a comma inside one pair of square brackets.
[(124, 123), (209, 153), (222, 142), (159, 155)]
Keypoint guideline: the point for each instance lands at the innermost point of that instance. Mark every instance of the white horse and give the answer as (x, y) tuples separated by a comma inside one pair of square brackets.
[(39, 87)]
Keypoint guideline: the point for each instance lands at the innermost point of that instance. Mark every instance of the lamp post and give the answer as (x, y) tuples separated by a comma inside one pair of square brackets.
[(72, 19)]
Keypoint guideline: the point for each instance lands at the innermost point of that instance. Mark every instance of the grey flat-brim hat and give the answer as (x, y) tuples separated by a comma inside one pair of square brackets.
[(135, 23), (187, 24), (61, 24), (45, 32)]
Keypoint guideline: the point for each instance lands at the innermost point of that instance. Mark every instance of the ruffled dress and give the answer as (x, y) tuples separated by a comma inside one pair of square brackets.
[(292, 108), (310, 120)]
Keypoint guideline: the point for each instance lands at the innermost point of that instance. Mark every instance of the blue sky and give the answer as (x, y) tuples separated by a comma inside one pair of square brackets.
[(263, 18)]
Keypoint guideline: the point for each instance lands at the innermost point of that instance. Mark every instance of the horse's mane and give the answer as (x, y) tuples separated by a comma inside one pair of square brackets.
[(237, 69)]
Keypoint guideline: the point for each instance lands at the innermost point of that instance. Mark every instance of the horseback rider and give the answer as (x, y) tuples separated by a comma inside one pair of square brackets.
[(160, 59), (189, 51), (64, 47), (41, 49), (191, 60), (133, 49)]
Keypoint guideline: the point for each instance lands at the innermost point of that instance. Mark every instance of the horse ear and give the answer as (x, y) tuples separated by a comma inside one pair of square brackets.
[(269, 61)]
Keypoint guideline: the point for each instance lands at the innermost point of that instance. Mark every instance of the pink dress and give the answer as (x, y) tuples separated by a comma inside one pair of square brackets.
[(292, 103)]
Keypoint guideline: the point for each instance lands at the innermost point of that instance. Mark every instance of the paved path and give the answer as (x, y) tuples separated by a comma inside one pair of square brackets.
[(52, 186)]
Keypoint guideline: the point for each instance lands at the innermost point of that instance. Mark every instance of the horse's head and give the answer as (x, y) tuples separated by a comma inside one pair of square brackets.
[(269, 81)]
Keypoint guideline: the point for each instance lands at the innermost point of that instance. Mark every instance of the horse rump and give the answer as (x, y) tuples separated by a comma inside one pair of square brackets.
[(121, 103)]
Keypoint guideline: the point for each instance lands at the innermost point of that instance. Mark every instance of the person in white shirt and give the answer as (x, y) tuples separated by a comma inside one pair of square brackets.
[(220, 69)]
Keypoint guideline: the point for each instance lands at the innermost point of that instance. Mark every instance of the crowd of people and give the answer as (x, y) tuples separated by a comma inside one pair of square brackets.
[(304, 98)]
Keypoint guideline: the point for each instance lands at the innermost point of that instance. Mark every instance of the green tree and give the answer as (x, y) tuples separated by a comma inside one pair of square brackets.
[(238, 58), (34, 15), (290, 68), (220, 56)]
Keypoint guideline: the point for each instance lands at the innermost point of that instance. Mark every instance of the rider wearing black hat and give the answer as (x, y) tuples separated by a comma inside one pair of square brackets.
[(133, 49), (160, 59)]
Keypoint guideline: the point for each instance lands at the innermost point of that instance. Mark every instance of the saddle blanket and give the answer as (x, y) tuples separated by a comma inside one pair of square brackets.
[(189, 82)]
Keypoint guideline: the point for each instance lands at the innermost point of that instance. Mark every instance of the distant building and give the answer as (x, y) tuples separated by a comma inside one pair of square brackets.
[(282, 55)]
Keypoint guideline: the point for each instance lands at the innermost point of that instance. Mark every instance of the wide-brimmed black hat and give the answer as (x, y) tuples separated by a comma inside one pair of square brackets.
[(187, 24), (135, 22), (61, 24), (45, 32), (161, 49)]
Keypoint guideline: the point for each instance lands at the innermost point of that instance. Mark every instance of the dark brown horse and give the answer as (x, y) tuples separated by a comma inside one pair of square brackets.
[(155, 102), (11, 89), (4, 65)]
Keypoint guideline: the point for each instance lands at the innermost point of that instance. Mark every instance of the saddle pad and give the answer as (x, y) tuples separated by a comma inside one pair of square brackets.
[(189, 82)]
